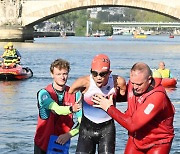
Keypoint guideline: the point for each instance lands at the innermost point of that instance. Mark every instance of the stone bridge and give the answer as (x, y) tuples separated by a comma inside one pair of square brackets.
[(19, 16)]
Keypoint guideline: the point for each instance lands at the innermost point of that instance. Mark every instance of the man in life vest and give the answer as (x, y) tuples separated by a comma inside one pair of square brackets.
[(97, 127), (149, 116), (165, 73), (11, 55), (56, 107)]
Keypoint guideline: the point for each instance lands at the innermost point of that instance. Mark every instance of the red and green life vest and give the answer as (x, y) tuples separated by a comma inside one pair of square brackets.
[(55, 124)]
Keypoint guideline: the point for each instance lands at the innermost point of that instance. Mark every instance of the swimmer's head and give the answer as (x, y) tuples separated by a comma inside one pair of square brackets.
[(100, 63)]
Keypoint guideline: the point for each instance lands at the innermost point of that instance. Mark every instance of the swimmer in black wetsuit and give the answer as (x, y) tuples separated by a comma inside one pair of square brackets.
[(97, 127)]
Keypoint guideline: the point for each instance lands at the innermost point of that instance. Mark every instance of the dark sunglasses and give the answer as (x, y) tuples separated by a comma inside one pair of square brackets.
[(101, 74)]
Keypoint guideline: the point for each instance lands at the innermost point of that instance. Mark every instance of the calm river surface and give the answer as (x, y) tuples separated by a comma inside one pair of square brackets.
[(18, 110)]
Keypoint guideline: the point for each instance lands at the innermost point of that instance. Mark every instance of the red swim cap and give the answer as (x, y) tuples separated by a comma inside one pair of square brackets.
[(100, 63)]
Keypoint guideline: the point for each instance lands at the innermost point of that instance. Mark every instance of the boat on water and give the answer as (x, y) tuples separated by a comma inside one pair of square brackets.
[(140, 36), (127, 33), (169, 82), (171, 36), (98, 34), (166, 82), (14, 72)]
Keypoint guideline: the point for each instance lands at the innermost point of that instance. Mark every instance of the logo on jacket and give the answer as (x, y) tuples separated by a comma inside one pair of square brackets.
[(44, 97), (140, 100)]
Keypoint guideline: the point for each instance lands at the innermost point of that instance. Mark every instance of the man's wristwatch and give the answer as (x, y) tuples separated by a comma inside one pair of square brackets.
[(71, 109)]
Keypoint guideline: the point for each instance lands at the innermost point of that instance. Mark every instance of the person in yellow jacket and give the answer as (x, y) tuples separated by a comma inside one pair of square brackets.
[(165, 73), (14, 51), (11, 55)]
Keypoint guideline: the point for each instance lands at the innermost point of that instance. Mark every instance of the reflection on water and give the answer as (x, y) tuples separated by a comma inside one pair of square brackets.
[(18, 99), (8, 92)]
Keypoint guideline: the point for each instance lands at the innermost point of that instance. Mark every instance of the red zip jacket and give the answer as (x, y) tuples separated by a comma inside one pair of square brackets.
[(149, 117)]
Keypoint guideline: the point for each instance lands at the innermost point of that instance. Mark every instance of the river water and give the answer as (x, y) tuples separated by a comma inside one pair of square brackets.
[(18, 106)]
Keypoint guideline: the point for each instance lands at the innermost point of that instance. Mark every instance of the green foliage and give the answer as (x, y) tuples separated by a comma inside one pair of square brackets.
[(103, 16), (80, 31), (139, 15), (129, 14), (75, 20), (107, 28), (80, 25), (95, 24)]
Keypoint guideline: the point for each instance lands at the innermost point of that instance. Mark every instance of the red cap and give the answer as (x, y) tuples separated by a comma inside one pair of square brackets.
[(100, 63)]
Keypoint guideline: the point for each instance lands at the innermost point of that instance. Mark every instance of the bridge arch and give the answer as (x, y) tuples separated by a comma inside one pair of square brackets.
[(44, 10)]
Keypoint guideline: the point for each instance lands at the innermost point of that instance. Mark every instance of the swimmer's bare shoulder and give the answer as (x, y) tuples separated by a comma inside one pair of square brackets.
[(81, 84)]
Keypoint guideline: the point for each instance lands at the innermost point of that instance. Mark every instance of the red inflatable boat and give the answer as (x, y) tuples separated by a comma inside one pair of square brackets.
[(169, 82), (15, 72)]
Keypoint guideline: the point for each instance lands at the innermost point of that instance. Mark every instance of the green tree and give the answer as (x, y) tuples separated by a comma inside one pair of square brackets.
[(80, 24), (106, 28), (75, 20), (139, 15), (95, 24)]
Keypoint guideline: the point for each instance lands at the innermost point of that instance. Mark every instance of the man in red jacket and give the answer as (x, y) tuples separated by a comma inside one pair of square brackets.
[(56, 107), (149, 116)]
